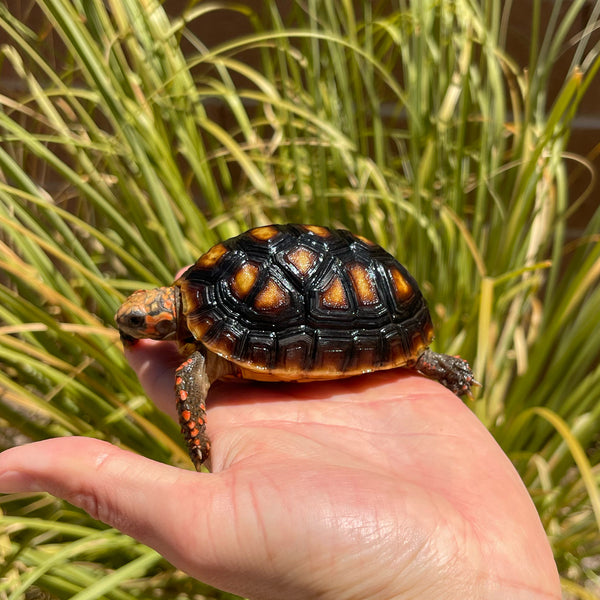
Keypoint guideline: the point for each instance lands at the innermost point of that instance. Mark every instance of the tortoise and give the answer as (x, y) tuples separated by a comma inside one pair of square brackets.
[(288, 303)]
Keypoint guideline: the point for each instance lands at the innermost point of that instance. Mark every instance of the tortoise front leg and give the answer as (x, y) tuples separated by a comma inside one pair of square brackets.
[(191, 387)]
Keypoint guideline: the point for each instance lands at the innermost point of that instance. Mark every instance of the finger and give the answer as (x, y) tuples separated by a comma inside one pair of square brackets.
[(192, 519), (110, 484), (152, 502)]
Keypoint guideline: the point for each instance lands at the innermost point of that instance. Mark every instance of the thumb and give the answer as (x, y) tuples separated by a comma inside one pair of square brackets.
[(133, 494)]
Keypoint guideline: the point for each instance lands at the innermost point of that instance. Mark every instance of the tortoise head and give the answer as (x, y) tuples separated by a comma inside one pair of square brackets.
[(149, 314)]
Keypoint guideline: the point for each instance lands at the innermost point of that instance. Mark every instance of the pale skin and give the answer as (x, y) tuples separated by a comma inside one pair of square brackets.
[(383, 486)]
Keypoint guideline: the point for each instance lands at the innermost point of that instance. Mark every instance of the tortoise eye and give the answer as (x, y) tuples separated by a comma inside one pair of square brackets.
[(136, 321)]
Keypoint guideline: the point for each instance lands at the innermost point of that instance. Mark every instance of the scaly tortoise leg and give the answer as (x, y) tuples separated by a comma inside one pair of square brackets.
[(453, 372), (191, 388)]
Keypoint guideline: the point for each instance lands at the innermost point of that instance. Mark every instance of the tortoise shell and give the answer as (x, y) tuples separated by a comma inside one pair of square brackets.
[(300, 302)]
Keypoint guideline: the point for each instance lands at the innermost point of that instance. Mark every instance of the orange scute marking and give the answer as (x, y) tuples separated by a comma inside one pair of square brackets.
[(302, 258), (317, 230), (428, 333), (271, 297), (364, 285), (186, 415), (365, 240), (264, 233), (200, 326), (402, 288), (418, 345), (225, 342), (212, 257), (244, 279), (183, 395), (334, 295)]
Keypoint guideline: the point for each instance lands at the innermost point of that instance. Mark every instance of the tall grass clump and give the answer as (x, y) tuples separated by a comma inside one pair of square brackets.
[(129, 146)]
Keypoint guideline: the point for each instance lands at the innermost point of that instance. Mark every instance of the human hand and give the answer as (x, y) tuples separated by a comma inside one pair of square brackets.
[(381, 486)]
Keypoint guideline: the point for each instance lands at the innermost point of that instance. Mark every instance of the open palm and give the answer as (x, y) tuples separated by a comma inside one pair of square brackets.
[(380, 486)]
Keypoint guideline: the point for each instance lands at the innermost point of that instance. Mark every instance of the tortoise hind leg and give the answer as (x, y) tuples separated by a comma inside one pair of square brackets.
[(191, 388), (452, 372)]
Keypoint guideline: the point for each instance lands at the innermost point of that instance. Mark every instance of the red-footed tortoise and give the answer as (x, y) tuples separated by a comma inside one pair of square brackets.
[(288, 303)]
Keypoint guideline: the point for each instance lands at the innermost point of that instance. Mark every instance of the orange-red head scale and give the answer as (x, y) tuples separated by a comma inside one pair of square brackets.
[(149, 314)]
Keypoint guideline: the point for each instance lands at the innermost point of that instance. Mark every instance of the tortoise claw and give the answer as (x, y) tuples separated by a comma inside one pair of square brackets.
[(472, 383)]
